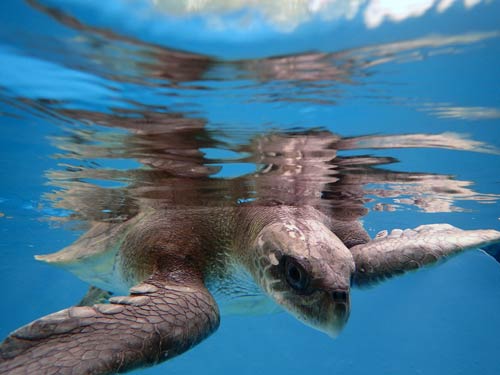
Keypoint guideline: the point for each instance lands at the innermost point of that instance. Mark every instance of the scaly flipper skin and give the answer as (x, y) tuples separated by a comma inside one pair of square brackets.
[(400, 251), (159, 320)]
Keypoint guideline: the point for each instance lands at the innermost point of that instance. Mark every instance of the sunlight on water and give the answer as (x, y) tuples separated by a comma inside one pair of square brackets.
[(383, 112)]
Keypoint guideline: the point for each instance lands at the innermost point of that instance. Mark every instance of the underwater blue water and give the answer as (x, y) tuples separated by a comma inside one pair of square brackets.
[(436, 73)]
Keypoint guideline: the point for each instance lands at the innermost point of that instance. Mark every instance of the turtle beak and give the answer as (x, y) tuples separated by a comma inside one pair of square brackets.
[(340, 308), (341, 301)]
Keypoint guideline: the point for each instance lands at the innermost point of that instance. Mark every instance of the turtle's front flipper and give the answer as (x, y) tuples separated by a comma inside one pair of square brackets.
[(159, 320), (400, 251)]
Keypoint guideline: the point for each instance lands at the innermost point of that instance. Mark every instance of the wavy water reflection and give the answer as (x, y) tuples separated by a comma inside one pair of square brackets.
[(110, 62), (161, 116), (171, 161)]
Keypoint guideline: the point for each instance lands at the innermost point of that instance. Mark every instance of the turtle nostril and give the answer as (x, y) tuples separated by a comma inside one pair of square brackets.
[(340, 296)]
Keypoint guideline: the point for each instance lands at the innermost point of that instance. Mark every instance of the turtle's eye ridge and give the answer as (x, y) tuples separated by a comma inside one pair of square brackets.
[(296, 275)]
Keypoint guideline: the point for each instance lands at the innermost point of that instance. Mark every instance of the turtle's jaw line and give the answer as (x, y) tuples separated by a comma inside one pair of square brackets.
[(330, 318), (334, 326)]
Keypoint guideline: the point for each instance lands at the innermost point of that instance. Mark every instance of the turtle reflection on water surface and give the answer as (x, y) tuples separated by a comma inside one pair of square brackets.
[(299, 239)]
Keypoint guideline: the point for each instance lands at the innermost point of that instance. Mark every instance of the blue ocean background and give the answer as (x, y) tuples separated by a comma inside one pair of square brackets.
[(439, 320)]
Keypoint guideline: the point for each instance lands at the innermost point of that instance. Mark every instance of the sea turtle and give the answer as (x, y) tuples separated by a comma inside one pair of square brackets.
[(175, 259)]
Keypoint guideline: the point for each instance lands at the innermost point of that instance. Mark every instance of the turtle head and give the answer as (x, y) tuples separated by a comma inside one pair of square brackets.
[(307, 270)]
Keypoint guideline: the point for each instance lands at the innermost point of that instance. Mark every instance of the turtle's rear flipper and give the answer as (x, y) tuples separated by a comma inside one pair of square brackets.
[(95, 295), (159, 320), (392, 254)]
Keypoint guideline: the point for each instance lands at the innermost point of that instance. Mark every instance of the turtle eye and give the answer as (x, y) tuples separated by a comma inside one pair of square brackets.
[(296, 275)]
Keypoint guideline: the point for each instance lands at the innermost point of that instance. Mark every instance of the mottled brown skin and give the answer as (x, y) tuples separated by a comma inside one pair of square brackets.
[(177, 251), (161, 319), (165, 315)]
